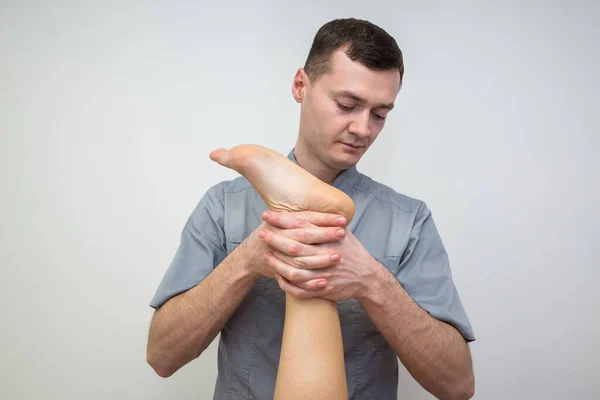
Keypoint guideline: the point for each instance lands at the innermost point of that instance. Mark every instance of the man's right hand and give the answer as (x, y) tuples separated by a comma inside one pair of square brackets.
[(307, 227)]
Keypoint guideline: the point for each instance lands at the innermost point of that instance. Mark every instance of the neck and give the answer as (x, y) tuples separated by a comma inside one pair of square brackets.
[(313, 165)]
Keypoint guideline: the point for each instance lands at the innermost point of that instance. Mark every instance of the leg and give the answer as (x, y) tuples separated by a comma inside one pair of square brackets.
[(312, 355)]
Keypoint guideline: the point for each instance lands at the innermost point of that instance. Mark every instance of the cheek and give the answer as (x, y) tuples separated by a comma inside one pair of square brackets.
[(330, 123), (336, 128), (375, 130)]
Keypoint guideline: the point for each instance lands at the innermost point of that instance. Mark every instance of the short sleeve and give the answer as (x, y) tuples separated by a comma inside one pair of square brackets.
[(201, 249), (425, 274)]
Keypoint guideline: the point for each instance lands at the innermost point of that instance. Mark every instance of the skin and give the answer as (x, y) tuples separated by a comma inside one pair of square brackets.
[(433, 352), (312, 335), (282, 184), (186, 324), (346, 106), (349, 105)]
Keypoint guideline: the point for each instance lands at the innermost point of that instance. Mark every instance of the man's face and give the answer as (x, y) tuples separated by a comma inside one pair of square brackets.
[(344, 111)]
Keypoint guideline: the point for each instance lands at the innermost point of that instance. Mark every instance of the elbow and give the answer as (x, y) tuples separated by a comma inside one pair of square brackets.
[(469, 387), (158, 364), (465, 390), (163, 373), (164, 364)]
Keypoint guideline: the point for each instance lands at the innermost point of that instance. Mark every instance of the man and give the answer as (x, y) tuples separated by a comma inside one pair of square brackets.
[(392, 279)]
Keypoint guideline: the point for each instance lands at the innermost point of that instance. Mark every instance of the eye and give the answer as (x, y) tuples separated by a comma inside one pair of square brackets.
[(379, 117), (344, 108)]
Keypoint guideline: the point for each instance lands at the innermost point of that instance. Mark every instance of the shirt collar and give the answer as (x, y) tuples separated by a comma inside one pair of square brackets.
[(345, 181)]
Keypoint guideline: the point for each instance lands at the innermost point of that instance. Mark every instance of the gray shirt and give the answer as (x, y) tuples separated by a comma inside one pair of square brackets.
[(397, 230)]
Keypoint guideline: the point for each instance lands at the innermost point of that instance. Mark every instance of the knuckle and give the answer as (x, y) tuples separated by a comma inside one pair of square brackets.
[(301, 234), (301, 223), (268, 261), (299, 262), (299, 219), (268, 236), (294, 249)]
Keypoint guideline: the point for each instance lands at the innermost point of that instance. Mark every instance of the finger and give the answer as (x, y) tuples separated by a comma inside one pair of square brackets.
[(315, 284), (288, 246), (285, 220), (295, 291), (323, 219), (301, 219), (311, 286), (292, 274), (309, 262), (316, 235)]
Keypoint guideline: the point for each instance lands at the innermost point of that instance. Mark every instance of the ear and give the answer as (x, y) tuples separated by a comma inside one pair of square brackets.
[(299, 85)]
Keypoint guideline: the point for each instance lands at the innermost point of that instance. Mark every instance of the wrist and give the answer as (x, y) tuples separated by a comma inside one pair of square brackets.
[(251, 256), (379, 286)]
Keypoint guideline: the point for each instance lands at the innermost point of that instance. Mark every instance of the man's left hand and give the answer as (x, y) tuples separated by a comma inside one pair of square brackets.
[(353, 276)]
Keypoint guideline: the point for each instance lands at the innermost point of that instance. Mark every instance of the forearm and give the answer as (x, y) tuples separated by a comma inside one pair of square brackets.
[(433, 352), (186, 324)]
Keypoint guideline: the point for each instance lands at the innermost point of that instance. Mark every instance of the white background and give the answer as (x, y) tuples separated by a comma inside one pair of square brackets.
[(108, 112)]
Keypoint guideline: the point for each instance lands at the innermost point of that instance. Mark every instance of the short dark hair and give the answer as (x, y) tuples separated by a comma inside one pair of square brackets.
[(361, 41)]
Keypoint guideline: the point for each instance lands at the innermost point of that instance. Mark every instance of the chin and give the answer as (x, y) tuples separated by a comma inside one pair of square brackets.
[(345, 159)]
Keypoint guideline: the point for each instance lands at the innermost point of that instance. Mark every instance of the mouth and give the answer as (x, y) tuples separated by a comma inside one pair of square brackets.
[(352, 146)]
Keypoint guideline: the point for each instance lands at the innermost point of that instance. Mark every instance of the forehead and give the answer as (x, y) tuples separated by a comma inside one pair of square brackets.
[(347, 75)]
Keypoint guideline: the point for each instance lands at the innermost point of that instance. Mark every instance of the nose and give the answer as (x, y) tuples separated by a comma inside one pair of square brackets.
[(360, 126)]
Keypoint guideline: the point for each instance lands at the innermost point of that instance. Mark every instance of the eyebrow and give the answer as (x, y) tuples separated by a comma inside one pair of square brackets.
[(353, 96)]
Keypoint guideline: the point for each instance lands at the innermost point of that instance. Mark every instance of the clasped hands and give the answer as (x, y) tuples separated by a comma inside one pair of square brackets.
[(311, 254)]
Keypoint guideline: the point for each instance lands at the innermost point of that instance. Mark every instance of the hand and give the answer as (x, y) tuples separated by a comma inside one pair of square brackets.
[(301, 227), (351, 275)]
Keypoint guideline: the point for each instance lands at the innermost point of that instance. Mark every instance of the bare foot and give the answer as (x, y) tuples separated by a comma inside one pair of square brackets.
[(282, 184)]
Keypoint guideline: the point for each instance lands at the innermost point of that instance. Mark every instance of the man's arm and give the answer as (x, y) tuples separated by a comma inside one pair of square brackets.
[(184, 326), (433, 352)]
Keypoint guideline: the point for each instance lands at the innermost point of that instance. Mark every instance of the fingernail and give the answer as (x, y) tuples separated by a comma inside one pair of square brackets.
[(340, 233), (340, 220), (266, 214), (334, 257), (262, 234), (322, 283)]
